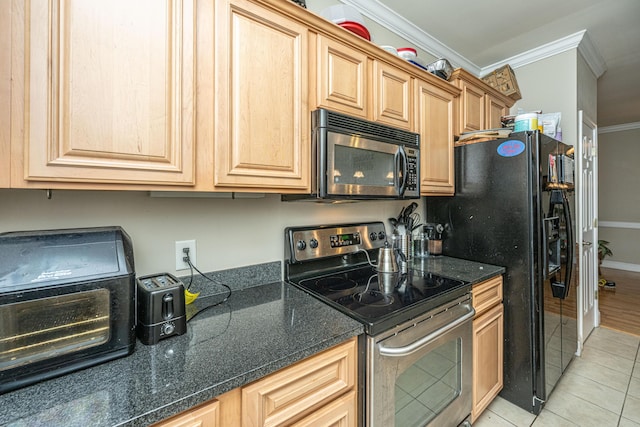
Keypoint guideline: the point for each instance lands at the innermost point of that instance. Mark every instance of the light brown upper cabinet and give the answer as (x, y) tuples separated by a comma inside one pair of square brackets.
[(351, 81), (108, 94), (5, 93), (343, 78), (434, 122), (479, 106), (495, 108), (262, 117), (392, 96)]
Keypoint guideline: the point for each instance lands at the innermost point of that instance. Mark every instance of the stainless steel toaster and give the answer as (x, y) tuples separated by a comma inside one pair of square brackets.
[(160, 308)]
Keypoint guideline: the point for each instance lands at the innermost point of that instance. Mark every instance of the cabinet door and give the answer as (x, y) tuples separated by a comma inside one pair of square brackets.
[(300, 390), (471, 111), (262, 114), (109, 91), (342, 78), (342, 412), (392, 96), (435, 124), (487, 294), (494, 110), (487, 359), (5, 92), (207, 415)]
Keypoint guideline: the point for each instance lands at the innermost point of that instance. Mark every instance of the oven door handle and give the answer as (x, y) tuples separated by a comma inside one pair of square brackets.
[(417, 345)]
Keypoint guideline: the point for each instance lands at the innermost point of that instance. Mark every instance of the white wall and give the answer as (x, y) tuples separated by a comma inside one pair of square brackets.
[(587, 90), (619, 194), (379, 35), (551, 85), (228, 233)]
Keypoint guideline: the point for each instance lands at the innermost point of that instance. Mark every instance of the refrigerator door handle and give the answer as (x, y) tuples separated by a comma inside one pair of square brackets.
[(560, 289), (570, 243)]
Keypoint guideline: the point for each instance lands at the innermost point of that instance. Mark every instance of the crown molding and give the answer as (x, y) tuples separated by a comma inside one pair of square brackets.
[(591, 56), (547, 50), (389, 19), (619, 128), (404, 28)]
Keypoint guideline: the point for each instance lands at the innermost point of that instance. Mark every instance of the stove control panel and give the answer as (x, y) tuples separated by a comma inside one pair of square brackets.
[(310, 243), (347, 239)]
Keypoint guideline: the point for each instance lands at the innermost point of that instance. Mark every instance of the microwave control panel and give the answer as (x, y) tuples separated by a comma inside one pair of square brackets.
[(412, 172)]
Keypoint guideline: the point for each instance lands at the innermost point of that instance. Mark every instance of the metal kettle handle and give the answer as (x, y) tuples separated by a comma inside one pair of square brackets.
[(417, 345)]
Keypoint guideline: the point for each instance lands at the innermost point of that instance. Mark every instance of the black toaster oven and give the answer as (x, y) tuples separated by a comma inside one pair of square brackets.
[(67, 301)]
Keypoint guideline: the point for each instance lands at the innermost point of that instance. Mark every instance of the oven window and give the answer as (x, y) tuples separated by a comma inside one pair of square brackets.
[(357, 166), (428, 386), (50, 327)]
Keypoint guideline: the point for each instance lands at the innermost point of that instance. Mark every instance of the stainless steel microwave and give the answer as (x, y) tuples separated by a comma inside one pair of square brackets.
[(67, 301), (359, 159)]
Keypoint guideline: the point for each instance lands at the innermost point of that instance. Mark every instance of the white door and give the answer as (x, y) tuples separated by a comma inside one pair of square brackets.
[(586, 157)]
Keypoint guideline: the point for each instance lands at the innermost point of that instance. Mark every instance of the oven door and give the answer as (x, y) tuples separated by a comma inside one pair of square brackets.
[(419, 374), (360, 167)]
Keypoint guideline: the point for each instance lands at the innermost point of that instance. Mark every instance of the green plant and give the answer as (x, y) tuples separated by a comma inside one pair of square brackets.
[(603, 249)]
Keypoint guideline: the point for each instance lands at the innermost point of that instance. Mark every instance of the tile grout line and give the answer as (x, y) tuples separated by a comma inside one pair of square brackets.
[(626, 393)]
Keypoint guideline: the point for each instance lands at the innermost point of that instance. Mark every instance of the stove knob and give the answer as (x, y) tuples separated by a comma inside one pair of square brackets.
[(302, 245), (313, 243), (381, 235), (373, 236)]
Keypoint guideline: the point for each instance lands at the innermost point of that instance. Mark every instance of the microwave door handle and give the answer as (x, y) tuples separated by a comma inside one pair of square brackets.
[(401, 167)]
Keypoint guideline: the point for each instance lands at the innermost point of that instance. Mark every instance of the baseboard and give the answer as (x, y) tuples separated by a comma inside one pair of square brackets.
[(616, 265)]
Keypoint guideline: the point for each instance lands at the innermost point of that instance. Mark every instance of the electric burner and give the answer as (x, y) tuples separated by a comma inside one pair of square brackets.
[(336, 283), (374, 298)]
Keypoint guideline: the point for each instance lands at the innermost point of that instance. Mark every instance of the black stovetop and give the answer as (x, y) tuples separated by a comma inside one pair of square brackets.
[(382, 301)]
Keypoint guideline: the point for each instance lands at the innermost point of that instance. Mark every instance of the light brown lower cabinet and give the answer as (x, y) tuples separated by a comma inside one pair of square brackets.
[(488, 337), (206, 415), (221, 411), (317, 391)]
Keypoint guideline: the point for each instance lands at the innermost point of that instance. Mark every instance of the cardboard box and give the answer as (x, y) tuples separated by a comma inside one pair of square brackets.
[(504, 80)]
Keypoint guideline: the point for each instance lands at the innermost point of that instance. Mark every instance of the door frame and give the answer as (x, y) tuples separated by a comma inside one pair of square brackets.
[(581, 205)]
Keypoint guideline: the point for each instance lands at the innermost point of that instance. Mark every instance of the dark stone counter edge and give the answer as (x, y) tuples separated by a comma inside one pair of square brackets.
[(456, 268), (216, 390)]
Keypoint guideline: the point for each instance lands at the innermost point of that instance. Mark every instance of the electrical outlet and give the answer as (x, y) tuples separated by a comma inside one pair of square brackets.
[(181, 264)]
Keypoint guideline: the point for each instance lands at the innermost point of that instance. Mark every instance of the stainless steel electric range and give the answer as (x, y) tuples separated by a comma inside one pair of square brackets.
[(417, 344)]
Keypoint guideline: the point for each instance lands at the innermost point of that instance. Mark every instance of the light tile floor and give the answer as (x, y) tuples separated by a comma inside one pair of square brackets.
[(601, 389)]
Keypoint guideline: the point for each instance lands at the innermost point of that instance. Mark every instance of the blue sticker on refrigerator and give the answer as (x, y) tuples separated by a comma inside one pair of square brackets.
[(510, 148)]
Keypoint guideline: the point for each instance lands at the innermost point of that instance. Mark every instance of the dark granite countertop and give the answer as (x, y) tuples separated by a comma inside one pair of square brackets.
[(455, 268), (259, 330)]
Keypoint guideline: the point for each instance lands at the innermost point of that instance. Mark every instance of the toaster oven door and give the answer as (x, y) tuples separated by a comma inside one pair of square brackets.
[(44, 328), (50, 332)]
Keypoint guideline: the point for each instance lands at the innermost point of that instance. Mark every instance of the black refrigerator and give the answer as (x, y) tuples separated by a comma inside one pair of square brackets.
[(512, 207)]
